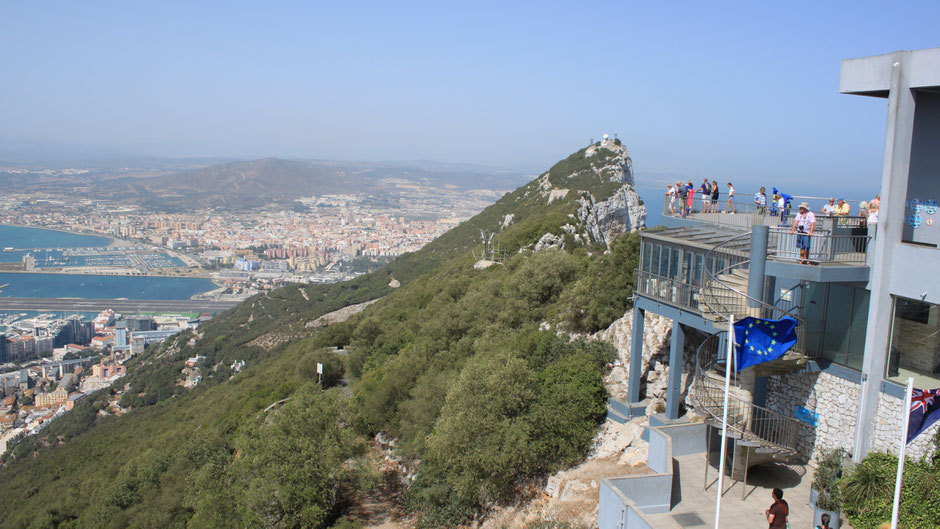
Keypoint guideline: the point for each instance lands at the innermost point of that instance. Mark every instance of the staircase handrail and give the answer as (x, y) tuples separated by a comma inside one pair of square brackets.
[(713, 277), (746, 419)]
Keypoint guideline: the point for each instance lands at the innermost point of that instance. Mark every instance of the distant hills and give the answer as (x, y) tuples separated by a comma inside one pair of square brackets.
[(256, 183), (241, 184)]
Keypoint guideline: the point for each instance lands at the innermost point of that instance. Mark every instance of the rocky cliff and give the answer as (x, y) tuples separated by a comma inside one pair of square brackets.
[(602, 182), (621, 212)]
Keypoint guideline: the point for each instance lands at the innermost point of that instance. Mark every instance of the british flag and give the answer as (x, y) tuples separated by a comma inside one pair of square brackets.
[(925, 410)]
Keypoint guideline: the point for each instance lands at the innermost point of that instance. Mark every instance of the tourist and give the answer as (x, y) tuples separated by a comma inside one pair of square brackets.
[(730, 203), (830, 208), (778, 511), (774, 202), (691, 199), (824, 521), (715, 192), (682, 193), (706, 190), (760, 200), (671, 193), (871, 223), (804, 224), (876, 201), (843, 208)]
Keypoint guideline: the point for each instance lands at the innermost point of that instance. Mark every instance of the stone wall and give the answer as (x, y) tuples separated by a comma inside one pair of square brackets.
[(836, 401), (833, 398)]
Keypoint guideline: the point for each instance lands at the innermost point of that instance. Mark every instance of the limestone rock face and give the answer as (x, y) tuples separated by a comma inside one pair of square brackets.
[(620, 213), (549, 241)]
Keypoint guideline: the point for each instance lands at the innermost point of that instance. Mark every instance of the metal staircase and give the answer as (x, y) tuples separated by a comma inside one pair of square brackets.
[(764, 434)]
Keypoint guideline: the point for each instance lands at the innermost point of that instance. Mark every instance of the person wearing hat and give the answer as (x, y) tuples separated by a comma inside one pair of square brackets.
[(842, 208), (830, 208), (804, 224)]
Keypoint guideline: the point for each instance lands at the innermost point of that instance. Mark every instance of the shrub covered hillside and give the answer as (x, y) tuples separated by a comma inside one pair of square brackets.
[(471, 370)]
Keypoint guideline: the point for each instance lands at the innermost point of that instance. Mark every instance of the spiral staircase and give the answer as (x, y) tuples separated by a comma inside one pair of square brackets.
[(762, 433)]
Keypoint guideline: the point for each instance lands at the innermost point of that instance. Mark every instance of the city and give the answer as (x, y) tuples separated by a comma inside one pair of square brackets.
[(49, 364), (324, 238)]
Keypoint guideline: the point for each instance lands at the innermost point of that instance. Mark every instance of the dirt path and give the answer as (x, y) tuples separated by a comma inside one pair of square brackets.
[(380, 507)]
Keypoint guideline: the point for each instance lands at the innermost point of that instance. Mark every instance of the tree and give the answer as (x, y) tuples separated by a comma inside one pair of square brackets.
[(291, 461), (482, 437)]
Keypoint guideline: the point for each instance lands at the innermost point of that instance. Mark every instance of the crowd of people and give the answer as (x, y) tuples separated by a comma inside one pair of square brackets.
[(683, 196), (682, 202)]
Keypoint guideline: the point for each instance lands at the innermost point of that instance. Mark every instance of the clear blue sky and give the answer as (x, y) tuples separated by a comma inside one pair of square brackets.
[(744, 91)]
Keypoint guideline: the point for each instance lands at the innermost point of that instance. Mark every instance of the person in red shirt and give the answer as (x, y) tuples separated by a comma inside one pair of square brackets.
[(778, 511)]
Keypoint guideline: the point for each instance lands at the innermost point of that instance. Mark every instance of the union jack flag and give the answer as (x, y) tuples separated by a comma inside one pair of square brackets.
[(925, 410)]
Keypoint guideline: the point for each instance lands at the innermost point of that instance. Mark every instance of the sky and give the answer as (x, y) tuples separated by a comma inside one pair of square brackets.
[(742, 91)]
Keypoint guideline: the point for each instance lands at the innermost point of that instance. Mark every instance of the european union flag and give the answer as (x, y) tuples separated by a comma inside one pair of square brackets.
[(758, 341)]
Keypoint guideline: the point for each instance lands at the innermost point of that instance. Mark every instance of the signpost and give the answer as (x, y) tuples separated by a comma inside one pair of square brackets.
[(319, 373)]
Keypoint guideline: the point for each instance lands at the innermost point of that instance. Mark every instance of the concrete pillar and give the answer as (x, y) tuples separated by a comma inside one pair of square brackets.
[(674, 391), (755, 274), (894, 172), (636, 356)]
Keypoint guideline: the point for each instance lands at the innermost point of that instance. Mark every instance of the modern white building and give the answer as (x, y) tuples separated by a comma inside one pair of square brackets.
[(868, 302)]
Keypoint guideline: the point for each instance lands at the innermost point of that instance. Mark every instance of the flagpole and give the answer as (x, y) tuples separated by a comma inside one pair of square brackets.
[(729, 367), (904, 425)]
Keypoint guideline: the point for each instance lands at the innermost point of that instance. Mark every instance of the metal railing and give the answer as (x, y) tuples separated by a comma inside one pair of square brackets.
[(744, 204), (723, 299), (824, 246), (750, 421), (842, 239), (667, 290)]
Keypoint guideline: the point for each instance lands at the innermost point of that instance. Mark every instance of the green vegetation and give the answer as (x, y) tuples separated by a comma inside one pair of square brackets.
[(868, 491), (826, 480), (471, 371)]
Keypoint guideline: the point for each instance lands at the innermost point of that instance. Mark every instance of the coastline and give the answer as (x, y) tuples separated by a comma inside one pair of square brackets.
[(116, 242), (191, 263)]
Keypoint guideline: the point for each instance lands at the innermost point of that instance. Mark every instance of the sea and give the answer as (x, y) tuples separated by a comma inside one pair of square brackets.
[(84, 286)]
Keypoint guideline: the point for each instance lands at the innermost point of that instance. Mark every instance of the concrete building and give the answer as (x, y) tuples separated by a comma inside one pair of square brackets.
[(867, 302), (59, 396)]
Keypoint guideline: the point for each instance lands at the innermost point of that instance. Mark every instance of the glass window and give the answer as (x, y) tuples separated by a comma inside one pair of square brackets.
[(647, 254), (914, 349), (857, 328), (686, 266), (654, 259), (664, 262), (698, 268), (813, 310), (836, 318), (674, 263)]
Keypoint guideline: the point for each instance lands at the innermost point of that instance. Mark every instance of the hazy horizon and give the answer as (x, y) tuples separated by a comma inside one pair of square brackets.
[(738, 92)]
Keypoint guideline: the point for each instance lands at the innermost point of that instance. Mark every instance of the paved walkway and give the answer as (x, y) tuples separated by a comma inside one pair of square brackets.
[(696, 508)]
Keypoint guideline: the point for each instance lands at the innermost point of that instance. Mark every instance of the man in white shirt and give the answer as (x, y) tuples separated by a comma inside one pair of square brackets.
[(804, 224), (760, 200), (671, 193)]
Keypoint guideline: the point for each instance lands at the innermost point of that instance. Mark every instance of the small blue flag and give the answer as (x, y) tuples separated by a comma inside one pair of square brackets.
[(758, 341), (925, 410)]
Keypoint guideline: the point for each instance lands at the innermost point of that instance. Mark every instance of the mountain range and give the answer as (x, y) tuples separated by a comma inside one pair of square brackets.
[(256, 183)]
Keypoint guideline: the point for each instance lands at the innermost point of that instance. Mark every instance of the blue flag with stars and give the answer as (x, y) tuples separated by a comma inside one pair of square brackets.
[(758, 341)]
